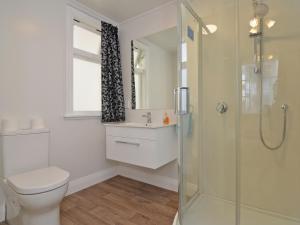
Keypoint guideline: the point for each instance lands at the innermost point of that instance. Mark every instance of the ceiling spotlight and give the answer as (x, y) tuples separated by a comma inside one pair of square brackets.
[(210, 29), (253, 31), (253, 22), (270, 23)]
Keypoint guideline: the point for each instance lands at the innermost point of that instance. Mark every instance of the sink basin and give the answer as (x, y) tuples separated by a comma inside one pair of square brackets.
[(139, 125)]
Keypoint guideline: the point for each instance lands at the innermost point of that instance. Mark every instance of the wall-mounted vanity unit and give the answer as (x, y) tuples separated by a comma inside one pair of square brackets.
[(147, 145)]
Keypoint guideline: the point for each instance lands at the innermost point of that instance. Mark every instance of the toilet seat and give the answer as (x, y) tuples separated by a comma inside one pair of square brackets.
[(38, 181)]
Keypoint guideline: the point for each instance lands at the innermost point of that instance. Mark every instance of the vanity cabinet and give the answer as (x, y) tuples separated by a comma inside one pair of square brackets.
[(150, 147)]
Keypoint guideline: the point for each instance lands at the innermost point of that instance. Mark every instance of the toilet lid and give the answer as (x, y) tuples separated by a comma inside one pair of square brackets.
[(38, 181)]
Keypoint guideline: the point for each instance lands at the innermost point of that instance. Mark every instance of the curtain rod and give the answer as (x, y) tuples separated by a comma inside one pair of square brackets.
[(78, 21)]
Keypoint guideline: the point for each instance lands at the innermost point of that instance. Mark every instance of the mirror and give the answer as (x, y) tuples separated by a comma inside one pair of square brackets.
[(154, 70)]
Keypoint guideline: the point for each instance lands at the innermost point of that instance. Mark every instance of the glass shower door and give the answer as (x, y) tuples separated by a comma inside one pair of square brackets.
[(188, 96), (207, 113), (239, 112)]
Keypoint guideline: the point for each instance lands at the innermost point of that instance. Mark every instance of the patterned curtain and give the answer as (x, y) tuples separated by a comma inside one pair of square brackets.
[(133, 102), (113, 107)]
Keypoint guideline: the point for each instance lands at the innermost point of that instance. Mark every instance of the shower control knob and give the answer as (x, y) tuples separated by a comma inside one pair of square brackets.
[(222, 107), (284, 107)]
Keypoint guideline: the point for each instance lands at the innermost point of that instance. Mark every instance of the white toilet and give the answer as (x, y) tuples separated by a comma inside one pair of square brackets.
[(33, 190)]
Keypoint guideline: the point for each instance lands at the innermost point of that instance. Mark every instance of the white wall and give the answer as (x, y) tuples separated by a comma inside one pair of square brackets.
[(151, 22), (32, 82)]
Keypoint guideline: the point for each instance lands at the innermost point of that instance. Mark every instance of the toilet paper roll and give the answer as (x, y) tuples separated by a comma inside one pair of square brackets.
[(9, 125), (37, 123)]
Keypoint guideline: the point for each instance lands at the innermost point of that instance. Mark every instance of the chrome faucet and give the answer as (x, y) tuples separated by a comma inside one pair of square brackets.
[(148, 116)]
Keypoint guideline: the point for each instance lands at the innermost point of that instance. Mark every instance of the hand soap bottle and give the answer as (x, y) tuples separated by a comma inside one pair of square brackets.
[(166, 120)]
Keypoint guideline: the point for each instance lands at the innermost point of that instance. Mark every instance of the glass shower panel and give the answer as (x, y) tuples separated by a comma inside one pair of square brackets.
[(269, 73), (190, 121), (248, 157), (208, 132)]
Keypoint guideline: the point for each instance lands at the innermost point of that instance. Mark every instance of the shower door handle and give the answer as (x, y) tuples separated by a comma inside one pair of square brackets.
[(181, 100)]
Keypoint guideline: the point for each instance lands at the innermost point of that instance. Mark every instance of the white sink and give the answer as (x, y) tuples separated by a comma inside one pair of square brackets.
[(139, 125)]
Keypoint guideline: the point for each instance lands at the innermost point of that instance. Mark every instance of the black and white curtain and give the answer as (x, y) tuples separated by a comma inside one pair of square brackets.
[(113, 107), (133, 102)]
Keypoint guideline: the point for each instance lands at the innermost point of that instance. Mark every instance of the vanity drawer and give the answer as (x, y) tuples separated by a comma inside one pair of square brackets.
[(131, 132), (135, 151)]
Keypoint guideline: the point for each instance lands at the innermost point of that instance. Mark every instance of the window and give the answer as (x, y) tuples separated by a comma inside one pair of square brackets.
[(84, 65)]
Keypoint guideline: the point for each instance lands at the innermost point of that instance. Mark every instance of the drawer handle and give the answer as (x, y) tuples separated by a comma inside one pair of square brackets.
[(128, 143)]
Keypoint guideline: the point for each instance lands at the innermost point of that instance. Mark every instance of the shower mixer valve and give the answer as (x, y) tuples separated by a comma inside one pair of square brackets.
[(222, 107)]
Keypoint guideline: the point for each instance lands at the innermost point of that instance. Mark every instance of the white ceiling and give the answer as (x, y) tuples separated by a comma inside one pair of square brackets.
[(121, 10)]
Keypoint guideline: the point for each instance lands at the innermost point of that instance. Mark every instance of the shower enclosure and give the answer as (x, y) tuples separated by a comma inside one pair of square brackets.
[(239, 112)]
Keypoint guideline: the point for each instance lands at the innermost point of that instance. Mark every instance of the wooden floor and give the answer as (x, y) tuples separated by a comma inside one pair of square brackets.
[(120, 201)]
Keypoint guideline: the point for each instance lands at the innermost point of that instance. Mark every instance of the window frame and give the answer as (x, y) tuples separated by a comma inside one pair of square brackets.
[(86, 22)]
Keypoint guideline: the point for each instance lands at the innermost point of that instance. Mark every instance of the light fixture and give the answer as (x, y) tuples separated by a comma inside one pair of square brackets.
[(212, 28), (253, 31), (253, 22), (270, 23)]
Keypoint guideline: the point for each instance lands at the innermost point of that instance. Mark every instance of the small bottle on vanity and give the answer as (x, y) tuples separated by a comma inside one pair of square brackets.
[(166, 120)]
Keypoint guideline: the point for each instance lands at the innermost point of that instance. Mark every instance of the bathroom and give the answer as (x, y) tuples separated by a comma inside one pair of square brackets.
[(188, 117)]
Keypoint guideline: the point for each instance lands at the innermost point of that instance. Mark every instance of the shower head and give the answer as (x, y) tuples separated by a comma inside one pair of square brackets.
[(260, 9)]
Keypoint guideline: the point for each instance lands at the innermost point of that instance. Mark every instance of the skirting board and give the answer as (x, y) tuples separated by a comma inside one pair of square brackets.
[(90, 180), (95, 178), (148, 178)]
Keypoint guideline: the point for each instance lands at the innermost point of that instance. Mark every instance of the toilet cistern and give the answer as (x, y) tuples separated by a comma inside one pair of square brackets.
[(33, 188)]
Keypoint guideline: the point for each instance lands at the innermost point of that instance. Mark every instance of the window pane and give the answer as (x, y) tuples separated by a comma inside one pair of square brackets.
[(86, 86), (86, 40)]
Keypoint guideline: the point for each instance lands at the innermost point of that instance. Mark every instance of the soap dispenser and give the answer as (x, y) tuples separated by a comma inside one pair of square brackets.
[(166, 120)]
